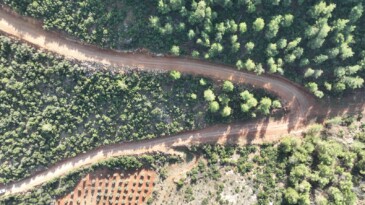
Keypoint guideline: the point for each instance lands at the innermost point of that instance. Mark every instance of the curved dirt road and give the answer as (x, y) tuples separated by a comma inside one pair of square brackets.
[(299, 102)]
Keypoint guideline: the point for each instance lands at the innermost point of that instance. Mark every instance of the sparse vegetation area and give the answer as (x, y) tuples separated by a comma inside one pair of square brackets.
[(318, 43), (326, 167), (52, 190)]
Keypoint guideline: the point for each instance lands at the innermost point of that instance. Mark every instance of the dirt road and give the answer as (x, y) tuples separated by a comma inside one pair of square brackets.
[(300, 103)]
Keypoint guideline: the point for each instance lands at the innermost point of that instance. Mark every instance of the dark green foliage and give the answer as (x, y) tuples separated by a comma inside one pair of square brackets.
[(287, 37), (52, 109)]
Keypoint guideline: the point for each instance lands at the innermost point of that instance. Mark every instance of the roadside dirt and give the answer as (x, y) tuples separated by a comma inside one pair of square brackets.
[(303, 106)]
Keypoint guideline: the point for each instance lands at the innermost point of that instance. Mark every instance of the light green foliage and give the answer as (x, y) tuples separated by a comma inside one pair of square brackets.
[(227, 111), (264, 106), (276, 104), (249, 65), (47, 127), (313, 87), (291, 196), (209, 95), (214, 106), (175, 50), (175, 75), (228, 86), (202, 82), (242, 27), (258, 24), (249, 46)]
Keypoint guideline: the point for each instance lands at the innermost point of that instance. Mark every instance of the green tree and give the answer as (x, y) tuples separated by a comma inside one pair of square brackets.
[(276, 104), (242, 27), (356, 13), (291, 196), (264, 106), (288, 20), (175, 50), (209, 95), (227, 111), (214, 106), (249, 46), (250, 65), (258, 24), (175, 75), (228, 86)]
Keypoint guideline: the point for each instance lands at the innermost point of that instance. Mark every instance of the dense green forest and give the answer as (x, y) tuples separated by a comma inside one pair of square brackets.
[(318, 43), (53, 109), (327, 166), (47, 193)]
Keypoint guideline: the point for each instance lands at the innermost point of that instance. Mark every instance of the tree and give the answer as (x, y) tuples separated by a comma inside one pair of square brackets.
[(242, 27), (282, 43), (214, 106), (245, 108), (252, 102), (195, 54), (313, 87), (228, 86), (264, 106), (258, 24), (154, 22), (320, 59), (175, 75), (202, 82), (276, 104), (249, 47), (356, 13), (273, 27), (288, 20), (250, 65), (224, 99), (199, 14), (191, 34), (291, 196), (321, 10), (227, 111), (271, 50), (215, 49), (239, 64), (175, 50), (209, 95), (47, 127), (308, 73), (245, 95)]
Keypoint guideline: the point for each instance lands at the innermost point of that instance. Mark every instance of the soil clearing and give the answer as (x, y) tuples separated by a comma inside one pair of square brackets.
[(302, 105)]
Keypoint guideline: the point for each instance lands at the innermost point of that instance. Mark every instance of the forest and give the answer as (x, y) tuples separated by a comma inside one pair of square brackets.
[(317, 43), (326, 166), (54, 109)]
